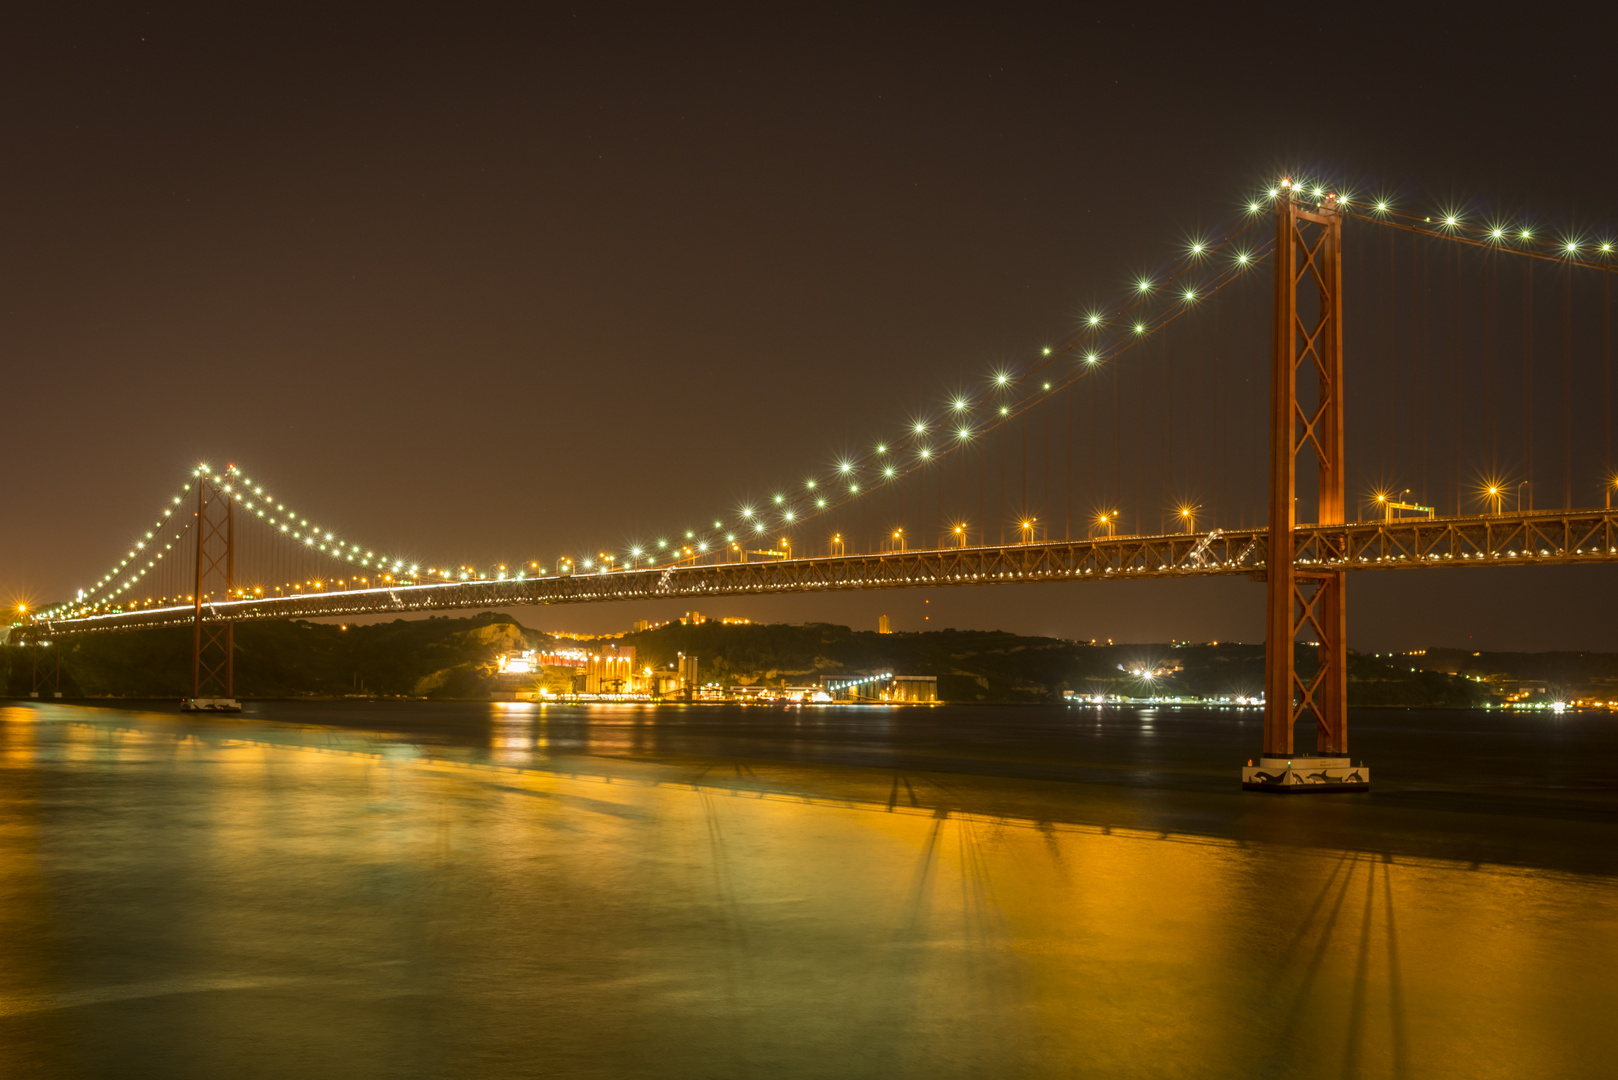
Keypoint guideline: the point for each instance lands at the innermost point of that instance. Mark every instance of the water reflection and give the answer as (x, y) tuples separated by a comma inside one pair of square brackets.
[(624, 893)]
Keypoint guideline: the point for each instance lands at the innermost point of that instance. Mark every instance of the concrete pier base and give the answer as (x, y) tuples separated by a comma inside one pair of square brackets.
[(210, 704), (1306, 775)]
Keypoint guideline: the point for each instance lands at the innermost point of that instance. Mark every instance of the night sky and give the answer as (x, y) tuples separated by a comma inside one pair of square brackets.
[(491, 287)]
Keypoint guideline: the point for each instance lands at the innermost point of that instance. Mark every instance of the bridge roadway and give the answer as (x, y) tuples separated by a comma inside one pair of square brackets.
[(1519, 539)]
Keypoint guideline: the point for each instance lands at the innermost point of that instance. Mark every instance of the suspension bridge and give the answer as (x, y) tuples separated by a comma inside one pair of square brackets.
[(1458, 324)]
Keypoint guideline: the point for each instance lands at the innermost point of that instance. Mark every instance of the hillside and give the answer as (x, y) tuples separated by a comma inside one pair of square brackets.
[(455, 658)]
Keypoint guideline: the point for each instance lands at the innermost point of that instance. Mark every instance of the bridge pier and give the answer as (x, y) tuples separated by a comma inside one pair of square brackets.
[(1308, 245), (213, 639), (48, 674)]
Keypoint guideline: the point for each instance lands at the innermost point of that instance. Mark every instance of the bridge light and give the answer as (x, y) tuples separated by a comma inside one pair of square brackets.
[(1002, 379), (1004, 410), (1091, 358), (820, 503), (1047, 350), (1190, 295), (1140, 328), (845, 466), (960, 404), (1525, 235), (1606, 247), (1572, 247), (1095, 320), (1143, 285)]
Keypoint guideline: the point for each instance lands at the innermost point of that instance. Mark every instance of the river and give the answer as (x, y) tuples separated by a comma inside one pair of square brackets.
[(372, 889)]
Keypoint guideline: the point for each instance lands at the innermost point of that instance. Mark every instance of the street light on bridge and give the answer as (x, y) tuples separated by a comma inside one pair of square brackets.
[(1027, 527), (1188, 517), (960, 535), (1109, 521), (898, 540), (837, 546)]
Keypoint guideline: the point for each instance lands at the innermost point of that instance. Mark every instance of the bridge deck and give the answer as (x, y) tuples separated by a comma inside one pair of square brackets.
[(1539, 538)]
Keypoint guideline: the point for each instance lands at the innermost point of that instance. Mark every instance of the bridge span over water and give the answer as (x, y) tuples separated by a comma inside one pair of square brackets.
[(225, 550), (1517, 540)]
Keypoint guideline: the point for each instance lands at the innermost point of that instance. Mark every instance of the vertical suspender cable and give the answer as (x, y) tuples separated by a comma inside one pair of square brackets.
[(1176, 476), (1221, 465), (1045, 471), (1606, 378), (1426, 339), (1415, 355), (1000, 497), (1567, 386), (1489, 418), (1117, 420), (1388, 425), (1528, 381), (1455, 374), (983, 474), (1067, 502)]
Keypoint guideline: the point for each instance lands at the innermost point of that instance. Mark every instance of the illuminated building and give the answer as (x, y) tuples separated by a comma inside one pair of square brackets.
[(912, 688), (610, 671)]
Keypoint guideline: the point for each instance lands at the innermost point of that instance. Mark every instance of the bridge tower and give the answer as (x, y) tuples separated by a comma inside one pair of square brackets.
[(1306, 415), (213, 638)]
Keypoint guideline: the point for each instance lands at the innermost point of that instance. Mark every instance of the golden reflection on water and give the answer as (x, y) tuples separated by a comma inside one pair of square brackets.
[(191, 896)]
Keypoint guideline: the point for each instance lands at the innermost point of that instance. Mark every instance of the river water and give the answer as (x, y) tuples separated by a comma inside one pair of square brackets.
[(510, 890)]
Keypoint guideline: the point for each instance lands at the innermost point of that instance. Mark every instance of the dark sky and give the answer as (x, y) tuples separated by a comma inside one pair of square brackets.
[(490, 286)]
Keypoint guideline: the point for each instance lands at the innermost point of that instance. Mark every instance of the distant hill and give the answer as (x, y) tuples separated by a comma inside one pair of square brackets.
[(455, 658)]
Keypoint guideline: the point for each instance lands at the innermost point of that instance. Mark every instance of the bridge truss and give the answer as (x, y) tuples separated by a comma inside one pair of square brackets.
[(1532, 539)]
